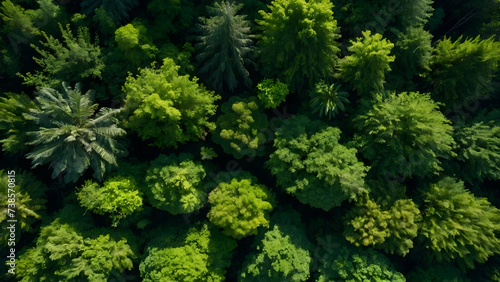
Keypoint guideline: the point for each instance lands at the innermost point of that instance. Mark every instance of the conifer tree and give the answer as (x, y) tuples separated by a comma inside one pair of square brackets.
[(225, 46)]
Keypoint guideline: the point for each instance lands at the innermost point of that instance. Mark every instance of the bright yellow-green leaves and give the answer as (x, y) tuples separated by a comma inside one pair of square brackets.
[(240, 207), (168, 108)]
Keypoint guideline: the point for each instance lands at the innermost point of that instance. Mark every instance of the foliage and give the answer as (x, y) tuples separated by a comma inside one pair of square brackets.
[(174, 184), (282, 252), (17, 21), (118, 197), (414, 13), (172, 16), (30, 199), (327, 99), (405, 134), (391, 228), (240, 207), (350, 264), (170, 108), (134, 44), (207, 153), (224, 46), (272, 93), (297, 43), (117, 9), (451, 60), (201, 253), (239, 128), (63, 253), (458, 226), (13, 125), (479, 151), (365, 69), (310, 164), (70, 137), (438, 272), (75, 60)]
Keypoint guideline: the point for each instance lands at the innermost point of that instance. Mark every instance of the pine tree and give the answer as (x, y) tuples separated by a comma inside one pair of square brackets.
[(70, 137), (225, 46)]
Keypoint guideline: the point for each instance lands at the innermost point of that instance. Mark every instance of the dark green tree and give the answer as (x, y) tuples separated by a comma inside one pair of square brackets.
[(282, 252), (118, 197), (74, 61), (452, 59), (271, 93), (327, 99), (437, 272), (404, 135), (200, 253), (310, 164), (175, 184), (478, 150), (239, 128), (240, 207), (365, 68), (225, 46), (117, 9), (170, 108), (349, 263), (70, 136), (458, 227), (297, 43)]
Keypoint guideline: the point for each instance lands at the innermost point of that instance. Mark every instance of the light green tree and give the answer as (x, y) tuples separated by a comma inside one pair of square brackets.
[(240, 207), (200, 253), (225, 46), (405, 134), (310, 164), (118, 197), (134, 44), (167, 107), (70, 136), (365, 68), (281, 253), (297, 43), (239, 128), (175, 184), (272, 93), (458, 227)]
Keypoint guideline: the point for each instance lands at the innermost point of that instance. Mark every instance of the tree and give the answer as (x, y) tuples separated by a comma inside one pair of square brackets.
[(70, 137), (310, 164), (438, 272), (478, 150), (298, 41), (62, 253), (118, 197), (75, 60), (327, 99), (168, 107), (171, 17), (450, 60), (117, 9), (348, 263), (239, 128), (200, 253), (134, 45), (240, 207), (29, 201), (17, 21), (365, 69), (174, 184), (282, 252), (224, 46), (391, 228), (458, 226), (13, 124), (272, 93), (405, 135)]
